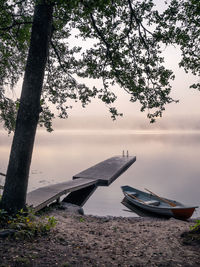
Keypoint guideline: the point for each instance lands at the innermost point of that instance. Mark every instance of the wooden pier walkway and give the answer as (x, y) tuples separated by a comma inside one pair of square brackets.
[(82, 185)]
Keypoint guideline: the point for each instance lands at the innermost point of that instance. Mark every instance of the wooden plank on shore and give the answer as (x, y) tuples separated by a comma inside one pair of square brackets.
[(108, 170), (43, 196)]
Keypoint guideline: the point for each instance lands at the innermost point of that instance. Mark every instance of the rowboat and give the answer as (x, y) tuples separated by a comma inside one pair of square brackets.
[(153, 203)]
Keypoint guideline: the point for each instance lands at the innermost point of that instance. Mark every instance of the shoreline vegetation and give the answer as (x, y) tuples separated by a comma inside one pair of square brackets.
[(86, 240)]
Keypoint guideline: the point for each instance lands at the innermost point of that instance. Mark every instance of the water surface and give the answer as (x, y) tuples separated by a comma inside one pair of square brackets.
[(167, 163)]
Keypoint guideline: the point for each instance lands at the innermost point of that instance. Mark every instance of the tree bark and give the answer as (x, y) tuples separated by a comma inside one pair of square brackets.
[(14, 195)]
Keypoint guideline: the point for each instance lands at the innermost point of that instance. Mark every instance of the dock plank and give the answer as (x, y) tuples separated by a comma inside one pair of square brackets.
[(43, 196), (108, 170)]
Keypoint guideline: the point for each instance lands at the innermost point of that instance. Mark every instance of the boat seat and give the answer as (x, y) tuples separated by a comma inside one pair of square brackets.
[(132, 193), (153, 202)]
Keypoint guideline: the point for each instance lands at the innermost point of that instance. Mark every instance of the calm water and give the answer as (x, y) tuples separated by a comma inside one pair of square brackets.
[(167, 163)]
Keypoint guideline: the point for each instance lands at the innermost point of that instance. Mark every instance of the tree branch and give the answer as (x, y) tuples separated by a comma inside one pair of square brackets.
[(108, 52), (60, 62)]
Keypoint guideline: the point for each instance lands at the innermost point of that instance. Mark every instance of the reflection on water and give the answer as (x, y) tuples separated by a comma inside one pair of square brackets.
[(167, 163)]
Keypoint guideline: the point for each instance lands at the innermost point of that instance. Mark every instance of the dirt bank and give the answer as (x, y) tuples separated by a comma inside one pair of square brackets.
[(111, 241)]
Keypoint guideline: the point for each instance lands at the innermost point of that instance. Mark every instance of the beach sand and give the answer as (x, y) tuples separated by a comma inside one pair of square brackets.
[(79, 240)]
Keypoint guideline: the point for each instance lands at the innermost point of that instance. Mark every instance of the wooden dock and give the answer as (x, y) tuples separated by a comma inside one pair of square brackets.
[(82, 185)]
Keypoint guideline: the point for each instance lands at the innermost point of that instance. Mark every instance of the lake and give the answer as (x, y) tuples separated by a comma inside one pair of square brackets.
[(167, 163)]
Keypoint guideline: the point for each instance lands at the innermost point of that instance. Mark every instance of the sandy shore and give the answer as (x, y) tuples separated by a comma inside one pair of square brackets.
[(79, 240)]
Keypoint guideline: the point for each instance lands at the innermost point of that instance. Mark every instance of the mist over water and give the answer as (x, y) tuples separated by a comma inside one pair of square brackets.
[(167, 162)]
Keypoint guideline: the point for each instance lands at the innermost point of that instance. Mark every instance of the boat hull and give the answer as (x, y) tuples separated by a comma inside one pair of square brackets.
[(183, 214)]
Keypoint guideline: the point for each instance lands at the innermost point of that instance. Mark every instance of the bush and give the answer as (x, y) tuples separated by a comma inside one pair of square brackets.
[(26, 223)]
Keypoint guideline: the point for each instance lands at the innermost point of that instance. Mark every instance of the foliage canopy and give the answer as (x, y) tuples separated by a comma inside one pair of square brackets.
[(113, 42)]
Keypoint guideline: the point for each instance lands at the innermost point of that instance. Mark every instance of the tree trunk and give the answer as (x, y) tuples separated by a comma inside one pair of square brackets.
[(14, 195)]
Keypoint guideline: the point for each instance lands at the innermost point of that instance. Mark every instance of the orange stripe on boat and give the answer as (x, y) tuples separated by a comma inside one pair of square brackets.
[(183, 213)]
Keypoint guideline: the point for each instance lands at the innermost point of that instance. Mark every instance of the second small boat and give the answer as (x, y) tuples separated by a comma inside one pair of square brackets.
[(156, 204)]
